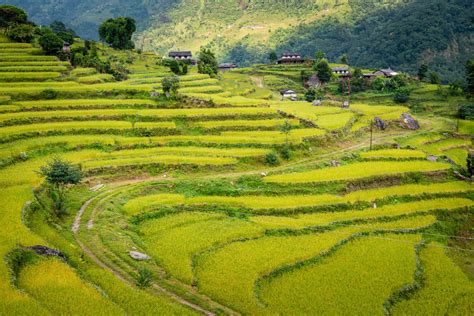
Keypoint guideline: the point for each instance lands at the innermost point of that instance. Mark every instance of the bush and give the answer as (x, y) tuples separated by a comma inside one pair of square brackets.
[(466, 112), (12, 15), (144, 278), (23, 33), (51, 43), (48, 94), (401, 95), (286, 152), (272, 159)]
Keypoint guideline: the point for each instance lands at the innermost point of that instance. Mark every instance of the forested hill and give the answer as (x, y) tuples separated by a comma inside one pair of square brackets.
[(401, 34)]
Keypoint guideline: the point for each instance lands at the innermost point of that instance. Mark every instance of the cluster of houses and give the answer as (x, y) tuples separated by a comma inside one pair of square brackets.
[(187, 56), (289, 59), (343, 71)]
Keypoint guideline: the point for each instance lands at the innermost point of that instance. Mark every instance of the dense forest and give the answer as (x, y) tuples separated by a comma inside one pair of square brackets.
[(439, 34), (401, 34)]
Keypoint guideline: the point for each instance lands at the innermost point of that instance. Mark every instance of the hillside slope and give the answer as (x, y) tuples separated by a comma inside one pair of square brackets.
[(401, 34)]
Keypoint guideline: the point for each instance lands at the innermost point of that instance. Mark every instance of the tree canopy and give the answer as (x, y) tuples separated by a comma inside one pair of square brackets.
[(118, 32), (10, 14), (60, 173), (323, 70), (207, 63), (50, 42)]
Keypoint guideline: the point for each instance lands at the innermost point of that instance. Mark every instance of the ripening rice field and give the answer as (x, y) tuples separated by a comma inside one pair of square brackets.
[(234, 201)]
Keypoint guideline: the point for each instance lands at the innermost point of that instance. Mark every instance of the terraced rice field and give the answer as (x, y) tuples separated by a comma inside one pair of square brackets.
[(358, 170), (237, 214)]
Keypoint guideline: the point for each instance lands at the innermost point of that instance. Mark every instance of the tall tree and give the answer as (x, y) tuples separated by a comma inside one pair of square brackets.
[(320, 55), (59, 175), (207, 63), (272, 56), (422, 72), (10, 14), (345, 59), (170, 85), (323, 70), (470, 77), (51, 43), (118, 32)]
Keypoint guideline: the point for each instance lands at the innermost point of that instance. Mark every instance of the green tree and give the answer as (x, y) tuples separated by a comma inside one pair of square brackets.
[(59, 174), (401, 95), (170, 85), (470, 77), (273, 57), (207, 63), (323, 70), (345, 59), (10, 14), (319, 56), (434, 78), (118, 32), (178, 67), (23, 33), (470, 164), (422, 72), (50, 42)]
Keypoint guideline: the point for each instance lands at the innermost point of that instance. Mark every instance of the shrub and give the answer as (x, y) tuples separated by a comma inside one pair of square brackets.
[(466, 111), (48, 94), (272, 159), (401, 95), (23, 33), (144, 278), (51, 43)]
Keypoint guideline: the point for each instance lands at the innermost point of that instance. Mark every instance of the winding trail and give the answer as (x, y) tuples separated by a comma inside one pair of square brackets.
[(118, 274)]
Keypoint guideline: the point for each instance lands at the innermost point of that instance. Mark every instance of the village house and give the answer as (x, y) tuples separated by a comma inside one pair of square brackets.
[(288, 94), (290, 58), (387, 73), (181, 55), (227, 66), (66, 47), (344, 71)]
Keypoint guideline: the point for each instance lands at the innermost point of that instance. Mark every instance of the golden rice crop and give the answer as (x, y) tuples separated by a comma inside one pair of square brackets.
[(159, 159), (79, 125), (393, 153), (458, 155), (446, 289), (439, 146), (357, 278), (408, 190), (142, 203), (333, 121), (305, 110), (24, 76), (14, 232), (204, 89), (133, 300), (163, 113), (223, 275), (65, 103), (466, 127), (323, 219), (358, 171), (38, 58), (95, 78), (33, 63), (14, 45), (245, 123), (62, 292), (33, 69), (190, 151), (175, 247), (384, 112)]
